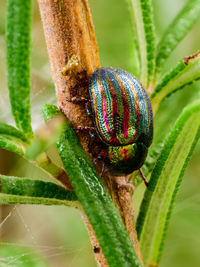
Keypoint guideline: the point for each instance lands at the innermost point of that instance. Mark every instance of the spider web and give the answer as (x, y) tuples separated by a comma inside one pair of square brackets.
[(30, 237)]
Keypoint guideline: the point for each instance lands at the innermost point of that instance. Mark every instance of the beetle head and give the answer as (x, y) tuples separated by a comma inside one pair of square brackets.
[(123, 160)]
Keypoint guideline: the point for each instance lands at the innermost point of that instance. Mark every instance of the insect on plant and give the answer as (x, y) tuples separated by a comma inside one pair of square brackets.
[(120, 125), (122, 117)]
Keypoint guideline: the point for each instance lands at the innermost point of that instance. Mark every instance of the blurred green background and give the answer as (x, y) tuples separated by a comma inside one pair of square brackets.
[(58, 234)]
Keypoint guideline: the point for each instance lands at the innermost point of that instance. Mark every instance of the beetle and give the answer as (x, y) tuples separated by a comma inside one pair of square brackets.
[(123, 119)]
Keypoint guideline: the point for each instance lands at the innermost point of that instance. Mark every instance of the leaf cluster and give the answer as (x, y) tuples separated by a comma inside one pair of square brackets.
[(165, 166)]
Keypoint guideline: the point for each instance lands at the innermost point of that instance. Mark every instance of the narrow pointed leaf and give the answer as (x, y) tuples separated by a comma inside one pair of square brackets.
[(49, 112), (12, 144), (157, 205), (142, 16), (18, 61), (6, 199), (96, 201), (11, 131), (11, 139), (177, 30), (185, 72), (38, 191)]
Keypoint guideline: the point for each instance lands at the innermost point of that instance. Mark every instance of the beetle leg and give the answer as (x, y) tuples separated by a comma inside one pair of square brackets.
[(81, 100), (143, 178), (76, 100)]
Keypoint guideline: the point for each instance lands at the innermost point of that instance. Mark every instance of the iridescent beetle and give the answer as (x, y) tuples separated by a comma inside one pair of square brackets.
[(123, 119)]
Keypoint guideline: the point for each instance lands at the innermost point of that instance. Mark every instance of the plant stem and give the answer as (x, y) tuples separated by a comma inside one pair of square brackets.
[(121, 192), (57, 172), (70, 34), (100, 259)]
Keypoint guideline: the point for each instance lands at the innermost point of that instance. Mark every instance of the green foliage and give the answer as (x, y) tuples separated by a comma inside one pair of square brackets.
[(185, 72), (12, 139), (18, 256), (12, 144), (18, 61), (142, 18), (95, 199), (166, 177), (11, 131), (6, 199), (34, 188), (166, 166), (149, 164), (50, 111), (177, 31)]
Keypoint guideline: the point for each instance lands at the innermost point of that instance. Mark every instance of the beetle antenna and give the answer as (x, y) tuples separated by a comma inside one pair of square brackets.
[(143, 178)]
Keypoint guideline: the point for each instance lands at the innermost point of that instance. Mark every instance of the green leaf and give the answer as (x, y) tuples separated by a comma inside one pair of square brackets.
[(18, 61), (177, 30), (12, 144), (95, 199), (12, 139), (142, 18), (148, 165), (185, 72), (34, 191), (11, 131), (19, 256), (6, 199), (50, 111), (159, 198)]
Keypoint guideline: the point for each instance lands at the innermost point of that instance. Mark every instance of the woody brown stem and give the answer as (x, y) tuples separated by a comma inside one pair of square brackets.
[(99, 256), (70, 35), (121, 192)]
